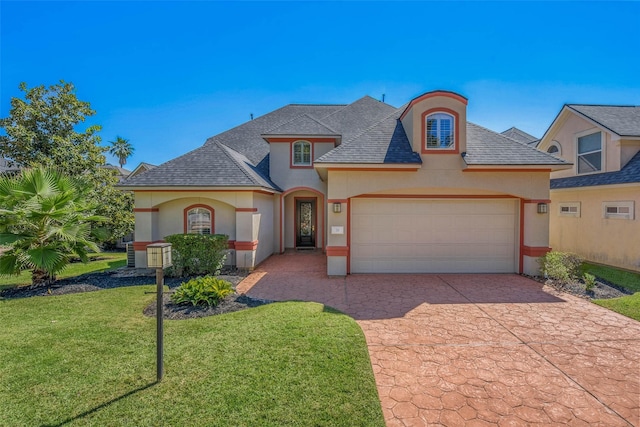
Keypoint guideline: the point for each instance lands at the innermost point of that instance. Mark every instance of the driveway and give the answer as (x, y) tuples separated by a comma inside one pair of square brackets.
[(470, 349)]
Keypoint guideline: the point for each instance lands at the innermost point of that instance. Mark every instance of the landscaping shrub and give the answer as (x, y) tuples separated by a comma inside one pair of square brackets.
[(197, 254), (589, 281), (206, 290), (561, 266)]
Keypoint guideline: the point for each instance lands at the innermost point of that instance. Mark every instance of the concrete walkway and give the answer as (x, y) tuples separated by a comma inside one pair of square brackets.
[(462, 349)]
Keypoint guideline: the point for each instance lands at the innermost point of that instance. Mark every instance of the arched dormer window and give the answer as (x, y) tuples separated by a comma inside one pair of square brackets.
[(440, 131), (199, 219), (555, 148), (301, 153)]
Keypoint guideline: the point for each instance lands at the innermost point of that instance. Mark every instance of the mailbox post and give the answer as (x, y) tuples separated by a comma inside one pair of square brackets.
[(159, 257)]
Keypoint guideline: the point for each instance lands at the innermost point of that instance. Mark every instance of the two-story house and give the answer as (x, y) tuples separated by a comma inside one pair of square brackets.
[(377, 188), (594, 202)]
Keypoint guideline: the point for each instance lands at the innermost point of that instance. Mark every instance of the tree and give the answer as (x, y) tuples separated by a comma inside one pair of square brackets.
[(45, 220), (122, 149), (43, 129)]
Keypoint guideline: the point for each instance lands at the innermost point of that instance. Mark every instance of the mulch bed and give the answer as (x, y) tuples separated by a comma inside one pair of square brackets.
[(132, 277), (601, 290)]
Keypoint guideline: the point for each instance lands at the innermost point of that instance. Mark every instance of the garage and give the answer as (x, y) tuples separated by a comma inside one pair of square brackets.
[(396, 235)]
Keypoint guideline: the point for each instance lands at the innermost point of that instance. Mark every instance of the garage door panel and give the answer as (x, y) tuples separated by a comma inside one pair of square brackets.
[(439, 236)]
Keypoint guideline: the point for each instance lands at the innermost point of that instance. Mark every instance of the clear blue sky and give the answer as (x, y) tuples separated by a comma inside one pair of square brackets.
[(167, 75)]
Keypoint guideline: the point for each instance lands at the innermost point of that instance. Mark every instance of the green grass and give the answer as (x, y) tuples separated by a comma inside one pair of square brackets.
[(89, 360), (105, 261), (627, 279), (627, 305)]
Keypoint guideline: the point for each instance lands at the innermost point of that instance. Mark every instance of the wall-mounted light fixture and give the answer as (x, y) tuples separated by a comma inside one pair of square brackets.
[(542, 208), (337, 207)]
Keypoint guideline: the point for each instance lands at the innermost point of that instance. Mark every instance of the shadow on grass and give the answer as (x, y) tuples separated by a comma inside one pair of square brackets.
[(102, 406)]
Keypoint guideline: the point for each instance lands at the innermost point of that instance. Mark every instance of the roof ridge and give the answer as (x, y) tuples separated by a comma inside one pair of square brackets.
[(296, 118), (373, 125), (357, 100), (604, 105), (244, 171)]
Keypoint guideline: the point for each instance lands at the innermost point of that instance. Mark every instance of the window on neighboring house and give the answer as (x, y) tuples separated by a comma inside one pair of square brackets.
[(620, 210), (590, 153), (440, 132), (302, 153), (199, 221), (554, 148), (569, 209)]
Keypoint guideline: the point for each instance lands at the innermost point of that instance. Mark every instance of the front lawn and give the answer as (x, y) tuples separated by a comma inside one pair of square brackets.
[(103, 261), (89, 359), (629, 305)]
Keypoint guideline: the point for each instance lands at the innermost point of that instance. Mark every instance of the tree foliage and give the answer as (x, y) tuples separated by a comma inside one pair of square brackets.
[(122, 149), (43, 130), (45, 220)]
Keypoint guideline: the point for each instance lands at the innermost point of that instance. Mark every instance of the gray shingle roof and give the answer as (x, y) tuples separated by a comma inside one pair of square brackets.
[(486, 147), (622, 120), (357, 116), (520, 136), (212, 165), (384, 142), (630, 173), (302, 125)]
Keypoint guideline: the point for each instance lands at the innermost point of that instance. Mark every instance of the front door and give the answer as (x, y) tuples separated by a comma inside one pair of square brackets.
[(305, 223)]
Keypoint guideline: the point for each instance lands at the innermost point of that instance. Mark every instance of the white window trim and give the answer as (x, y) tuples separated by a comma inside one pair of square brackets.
[(627, 204), (602, 150), (570, 205), (453, 131), (293, 153)]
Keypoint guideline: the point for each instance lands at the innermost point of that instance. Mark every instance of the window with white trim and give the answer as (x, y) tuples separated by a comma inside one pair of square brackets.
[(555, 148), (301, 153), (199, 221), (618, 210), (569, 209), (590, 153), (440, 128)]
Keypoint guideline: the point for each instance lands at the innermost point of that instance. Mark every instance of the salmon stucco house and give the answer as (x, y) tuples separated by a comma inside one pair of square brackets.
[(594, 202), (379, 189)]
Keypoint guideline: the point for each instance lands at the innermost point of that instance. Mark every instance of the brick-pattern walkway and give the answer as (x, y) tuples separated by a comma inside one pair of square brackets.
[(479, 350)]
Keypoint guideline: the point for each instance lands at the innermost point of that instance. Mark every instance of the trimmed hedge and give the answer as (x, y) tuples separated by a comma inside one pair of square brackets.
[(197, 254), (561, 266)]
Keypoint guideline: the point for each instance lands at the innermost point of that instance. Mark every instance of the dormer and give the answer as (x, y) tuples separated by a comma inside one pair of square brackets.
[(435, 123)]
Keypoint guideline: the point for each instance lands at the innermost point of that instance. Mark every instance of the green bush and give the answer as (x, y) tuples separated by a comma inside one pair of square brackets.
[(197, 254), (206, 290), (589, 281), (561, 266)]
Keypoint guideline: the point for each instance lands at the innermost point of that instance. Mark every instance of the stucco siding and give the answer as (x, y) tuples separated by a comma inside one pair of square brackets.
[(286, 177), (608, 241), (263, 226), (171, 216)]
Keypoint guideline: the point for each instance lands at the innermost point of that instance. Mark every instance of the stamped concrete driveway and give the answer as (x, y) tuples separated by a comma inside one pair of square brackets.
[(462, 349)]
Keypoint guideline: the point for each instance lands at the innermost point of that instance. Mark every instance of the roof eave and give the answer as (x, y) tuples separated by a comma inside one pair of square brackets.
[(191, 188)]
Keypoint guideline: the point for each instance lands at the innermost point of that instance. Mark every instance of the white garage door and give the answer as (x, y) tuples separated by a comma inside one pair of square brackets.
[(433, 236)]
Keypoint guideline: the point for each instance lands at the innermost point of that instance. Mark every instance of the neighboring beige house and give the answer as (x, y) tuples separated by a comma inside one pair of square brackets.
[(141, 168), (593, 209), (377, 188)]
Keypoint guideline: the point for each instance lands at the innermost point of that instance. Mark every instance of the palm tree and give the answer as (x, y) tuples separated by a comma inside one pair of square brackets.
[(45, 221), (122, 149)]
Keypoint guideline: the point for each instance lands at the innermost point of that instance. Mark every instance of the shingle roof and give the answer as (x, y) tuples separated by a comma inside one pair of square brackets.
[(630, 173), (622, 120), (212, 165), (486, 147), (384, 142), (520, 136), (357, 116), (302, 125)]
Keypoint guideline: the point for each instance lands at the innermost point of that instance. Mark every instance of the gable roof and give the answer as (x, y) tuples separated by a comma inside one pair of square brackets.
[(619, 119), (520, 135), (357, 116), (486, 147), (302, 125), (629, 174)]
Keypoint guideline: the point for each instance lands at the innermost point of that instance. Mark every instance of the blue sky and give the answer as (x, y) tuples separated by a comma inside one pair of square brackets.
[(167, 75)]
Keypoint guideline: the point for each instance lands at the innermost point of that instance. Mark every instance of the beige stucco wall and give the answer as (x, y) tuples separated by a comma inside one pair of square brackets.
[(412, 120), (614, 242), (263, 226), (285, 177)]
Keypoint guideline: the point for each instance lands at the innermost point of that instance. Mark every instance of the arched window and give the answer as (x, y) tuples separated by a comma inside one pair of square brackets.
[(554, 148), (301, 153), (199, 220), (440, 131)]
